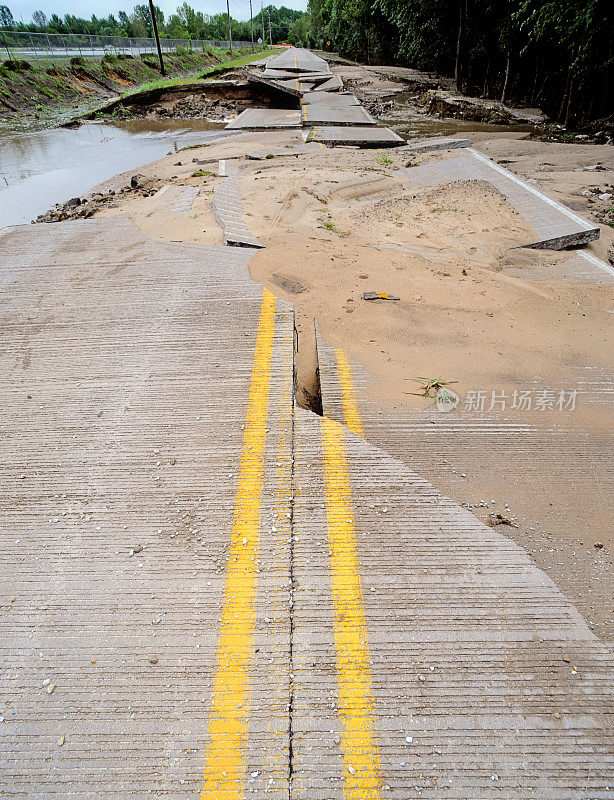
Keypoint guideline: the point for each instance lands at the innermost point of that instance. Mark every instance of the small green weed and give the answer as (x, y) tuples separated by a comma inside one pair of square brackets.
[(330, 226), (430, 386)]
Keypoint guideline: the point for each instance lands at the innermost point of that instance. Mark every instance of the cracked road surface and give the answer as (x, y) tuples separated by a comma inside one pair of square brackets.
[(208, 592)]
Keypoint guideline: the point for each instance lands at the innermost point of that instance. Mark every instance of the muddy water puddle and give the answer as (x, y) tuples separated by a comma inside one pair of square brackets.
[(409, 122), (39, 169)]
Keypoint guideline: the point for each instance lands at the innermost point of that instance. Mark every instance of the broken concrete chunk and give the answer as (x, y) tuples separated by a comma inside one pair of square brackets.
[(499, 519), (379, 296)]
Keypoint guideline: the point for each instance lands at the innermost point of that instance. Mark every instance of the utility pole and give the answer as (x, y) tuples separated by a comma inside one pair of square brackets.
[(262, 17), (270, 35), (155, 30), (251, 22), (229, 25)]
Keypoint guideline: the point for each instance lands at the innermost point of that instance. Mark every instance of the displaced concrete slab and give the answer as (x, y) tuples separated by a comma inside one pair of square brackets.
[(312, 77), (557, 226), (297, 59), (179, 198), (299, 85), (470, 673), (264, 118), (332, 85), (116, 538), (228, 211), (289, 88), (580, 266), (325, 114), (361, 137), (332, 99), (283, 74), (436, 143)]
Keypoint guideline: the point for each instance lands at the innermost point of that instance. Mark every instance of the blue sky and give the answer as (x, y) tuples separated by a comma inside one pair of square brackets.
[(238, 8)]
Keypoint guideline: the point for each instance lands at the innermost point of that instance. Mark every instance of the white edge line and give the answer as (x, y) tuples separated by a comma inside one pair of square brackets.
[(554, 203), (596, 261)]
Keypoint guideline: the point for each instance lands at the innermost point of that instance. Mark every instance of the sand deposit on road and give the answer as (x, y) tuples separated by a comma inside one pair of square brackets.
[(337, 223)]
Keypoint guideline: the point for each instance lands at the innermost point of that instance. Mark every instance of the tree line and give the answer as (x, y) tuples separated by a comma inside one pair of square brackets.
[(555, 54), (185, 23)]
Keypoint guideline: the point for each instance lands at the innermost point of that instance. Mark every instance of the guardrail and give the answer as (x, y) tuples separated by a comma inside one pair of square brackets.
[(22, 44)]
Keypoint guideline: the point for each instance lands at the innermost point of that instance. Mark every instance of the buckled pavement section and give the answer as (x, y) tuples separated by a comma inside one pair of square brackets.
[(557, 225), (543, 459), (130, 381), (354, 136), (384, 576), (297, 59), (228, 211), (333, 112), (462, 672)]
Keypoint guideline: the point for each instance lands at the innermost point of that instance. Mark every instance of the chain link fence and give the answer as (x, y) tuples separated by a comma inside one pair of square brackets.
[(22, 44)]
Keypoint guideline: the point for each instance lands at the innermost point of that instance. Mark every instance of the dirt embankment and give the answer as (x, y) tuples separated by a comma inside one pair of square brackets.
[(39, 89), (211, 100)]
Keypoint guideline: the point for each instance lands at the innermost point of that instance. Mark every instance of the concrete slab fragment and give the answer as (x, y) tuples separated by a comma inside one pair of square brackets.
[(335, 98), (325, 114), (228, 211), (297, 59), (464, 643), (371, 136), (332, 85), (264, 118), (178, 198), (298, 85), (436, 143), (275, 84), (283, 74), (141, 352), (557, 226)]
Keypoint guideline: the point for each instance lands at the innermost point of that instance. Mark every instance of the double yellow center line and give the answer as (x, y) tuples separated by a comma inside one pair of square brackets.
[(226, 766)]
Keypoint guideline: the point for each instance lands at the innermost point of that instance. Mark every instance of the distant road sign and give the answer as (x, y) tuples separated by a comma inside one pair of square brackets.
[(259, 40)]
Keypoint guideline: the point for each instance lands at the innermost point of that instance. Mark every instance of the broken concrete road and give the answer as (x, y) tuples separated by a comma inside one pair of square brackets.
[(300, 74), (208, 591)]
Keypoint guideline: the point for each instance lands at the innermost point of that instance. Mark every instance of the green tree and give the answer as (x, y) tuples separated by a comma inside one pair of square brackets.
[(6, 18), (39, 19), (298, 31)]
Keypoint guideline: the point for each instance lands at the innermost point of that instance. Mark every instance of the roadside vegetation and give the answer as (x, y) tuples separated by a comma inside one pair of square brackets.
[(186, 23), (558, 56), (80, 82)]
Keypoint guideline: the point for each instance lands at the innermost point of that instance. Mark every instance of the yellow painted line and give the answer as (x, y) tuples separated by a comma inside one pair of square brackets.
[(362, 779), (277, 686), (350, 409), (225, 767)]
